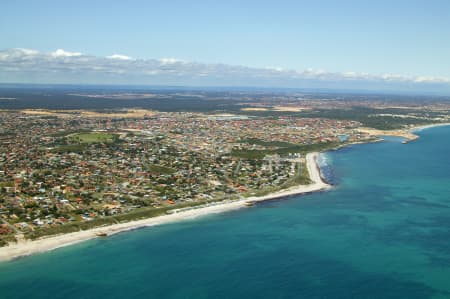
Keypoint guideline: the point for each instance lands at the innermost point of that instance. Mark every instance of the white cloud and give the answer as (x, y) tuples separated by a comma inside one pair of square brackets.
[(274, 68), (28, 51), (63, 53), (424, 79), (24, 63), (12, 54), (170, 60), (119, 57)]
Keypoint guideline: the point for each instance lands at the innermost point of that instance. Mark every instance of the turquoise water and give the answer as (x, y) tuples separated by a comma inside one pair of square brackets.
[(382, 232)]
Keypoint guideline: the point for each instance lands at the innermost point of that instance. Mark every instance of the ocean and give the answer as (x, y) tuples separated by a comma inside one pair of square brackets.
[(383, 231)]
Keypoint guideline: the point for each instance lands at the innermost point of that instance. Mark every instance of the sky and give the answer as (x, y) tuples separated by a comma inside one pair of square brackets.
[(349, 44)]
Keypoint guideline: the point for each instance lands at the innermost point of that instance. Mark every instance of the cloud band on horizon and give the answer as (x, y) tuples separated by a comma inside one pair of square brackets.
[(30, 66)]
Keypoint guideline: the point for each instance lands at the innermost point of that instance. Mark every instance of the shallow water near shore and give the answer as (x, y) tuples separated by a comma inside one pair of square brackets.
[(382, 232)]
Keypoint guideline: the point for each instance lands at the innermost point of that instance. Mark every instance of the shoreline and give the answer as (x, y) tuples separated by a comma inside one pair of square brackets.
[(28, 247), (409, 134), (424, 127)]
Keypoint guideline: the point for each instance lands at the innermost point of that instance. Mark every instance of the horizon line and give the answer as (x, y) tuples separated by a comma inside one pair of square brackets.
[(357, 91)]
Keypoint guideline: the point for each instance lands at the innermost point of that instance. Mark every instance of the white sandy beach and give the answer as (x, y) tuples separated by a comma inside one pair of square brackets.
[(420, 128), (27, 247), (409, 133)]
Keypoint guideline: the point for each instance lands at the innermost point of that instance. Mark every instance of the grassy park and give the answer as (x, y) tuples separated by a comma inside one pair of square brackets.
[(92, 137)]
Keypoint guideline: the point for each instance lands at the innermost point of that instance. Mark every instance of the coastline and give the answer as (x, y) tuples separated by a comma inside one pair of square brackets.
[(408, 133), (424, 127), (29, 247)]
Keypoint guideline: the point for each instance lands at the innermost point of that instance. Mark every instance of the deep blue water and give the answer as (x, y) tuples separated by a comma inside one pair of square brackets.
[(382, 232)]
